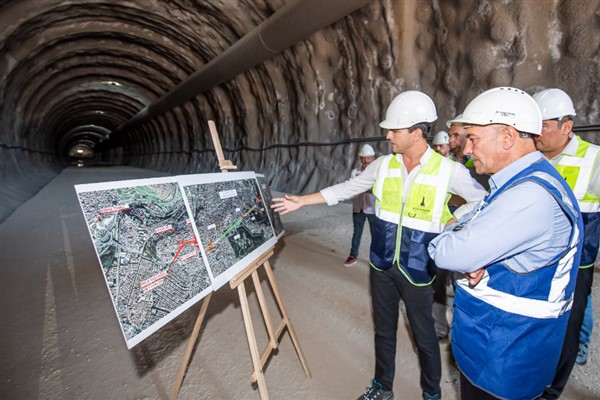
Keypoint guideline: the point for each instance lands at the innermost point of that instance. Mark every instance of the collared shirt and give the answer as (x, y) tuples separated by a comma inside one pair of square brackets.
[(570, 150), (461, 184), (524, 228), (463, 162), (364, 202)]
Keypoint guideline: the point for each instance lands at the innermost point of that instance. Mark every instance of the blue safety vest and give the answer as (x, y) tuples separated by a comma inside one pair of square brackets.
[(509, 329)]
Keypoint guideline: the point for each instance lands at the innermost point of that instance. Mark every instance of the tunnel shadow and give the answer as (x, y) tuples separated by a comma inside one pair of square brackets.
[(168, 340)]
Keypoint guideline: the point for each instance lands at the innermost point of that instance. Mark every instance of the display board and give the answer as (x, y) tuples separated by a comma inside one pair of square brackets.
[(150, 258), (268, 200), (230, 220)]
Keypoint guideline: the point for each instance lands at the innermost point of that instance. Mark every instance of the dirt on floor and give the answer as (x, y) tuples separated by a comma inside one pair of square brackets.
[(60, 338)]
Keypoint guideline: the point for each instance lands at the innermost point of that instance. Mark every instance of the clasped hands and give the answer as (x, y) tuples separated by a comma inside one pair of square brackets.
[(475, 277)]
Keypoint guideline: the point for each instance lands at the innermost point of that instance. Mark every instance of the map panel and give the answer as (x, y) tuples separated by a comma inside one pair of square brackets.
[(230, 219), (268, 200), (150, 258)]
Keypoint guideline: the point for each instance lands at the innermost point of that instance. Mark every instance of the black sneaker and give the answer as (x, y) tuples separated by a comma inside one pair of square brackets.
[(376, 392), (431, 396)]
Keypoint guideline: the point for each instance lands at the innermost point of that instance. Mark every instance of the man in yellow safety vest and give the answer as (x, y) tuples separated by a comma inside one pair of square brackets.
[(411, 188), (578, 162)]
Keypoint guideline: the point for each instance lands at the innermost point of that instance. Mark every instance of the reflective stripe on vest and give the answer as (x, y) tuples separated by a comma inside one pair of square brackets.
[(426, 206), (556, 304), (523, 306), (388, 190), (510, 327), (577, 171)]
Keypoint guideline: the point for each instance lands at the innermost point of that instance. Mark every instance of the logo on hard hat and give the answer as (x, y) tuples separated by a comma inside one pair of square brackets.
[(506, 113)]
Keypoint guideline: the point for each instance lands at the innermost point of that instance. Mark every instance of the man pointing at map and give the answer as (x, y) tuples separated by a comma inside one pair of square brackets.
[(411, 187)]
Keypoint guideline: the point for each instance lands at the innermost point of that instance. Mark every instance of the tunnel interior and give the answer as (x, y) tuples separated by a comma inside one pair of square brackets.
[(80, 81)]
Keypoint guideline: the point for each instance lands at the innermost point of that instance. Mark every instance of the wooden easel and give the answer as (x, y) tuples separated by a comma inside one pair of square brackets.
[(258, 360)]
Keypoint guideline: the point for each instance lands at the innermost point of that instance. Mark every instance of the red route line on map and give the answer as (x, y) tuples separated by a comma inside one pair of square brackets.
[(171, 229), (112, 211), (163, 275), (181, 246)]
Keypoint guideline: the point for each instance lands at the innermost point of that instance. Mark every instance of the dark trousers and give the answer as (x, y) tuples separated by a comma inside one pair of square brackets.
[(470, 392), (358, 220), (440, 300), (387, 288), (568, 355)]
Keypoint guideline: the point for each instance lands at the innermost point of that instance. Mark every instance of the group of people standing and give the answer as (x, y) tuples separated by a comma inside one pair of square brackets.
[(526, 247)]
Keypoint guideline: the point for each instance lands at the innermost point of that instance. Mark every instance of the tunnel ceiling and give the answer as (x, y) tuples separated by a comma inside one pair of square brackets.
[(94, 64), (73, 72)]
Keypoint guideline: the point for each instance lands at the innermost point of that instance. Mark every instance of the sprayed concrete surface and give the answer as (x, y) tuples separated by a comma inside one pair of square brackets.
[(71, 71), (60, 337)]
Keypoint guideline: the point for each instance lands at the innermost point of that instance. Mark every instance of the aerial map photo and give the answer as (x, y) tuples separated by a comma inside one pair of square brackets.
[(231, 220), (152, 264), (268, 200)]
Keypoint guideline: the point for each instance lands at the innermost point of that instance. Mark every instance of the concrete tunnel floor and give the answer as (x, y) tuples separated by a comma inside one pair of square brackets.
[(60, 337)]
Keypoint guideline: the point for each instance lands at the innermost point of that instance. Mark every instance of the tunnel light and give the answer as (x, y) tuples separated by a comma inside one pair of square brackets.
[(80, 151)]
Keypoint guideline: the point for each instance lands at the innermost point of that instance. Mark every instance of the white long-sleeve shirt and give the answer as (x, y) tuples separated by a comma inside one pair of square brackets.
[(461, 184), (364, 202)]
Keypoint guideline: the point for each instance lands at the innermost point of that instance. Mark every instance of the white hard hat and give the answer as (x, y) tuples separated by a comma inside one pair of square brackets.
[(504, 105), (554, 103), (450, 122), (366, 151), (407, 109), (441, 138)]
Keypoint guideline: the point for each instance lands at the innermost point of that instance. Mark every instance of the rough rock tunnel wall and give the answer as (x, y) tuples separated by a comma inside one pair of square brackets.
[(73, 71)]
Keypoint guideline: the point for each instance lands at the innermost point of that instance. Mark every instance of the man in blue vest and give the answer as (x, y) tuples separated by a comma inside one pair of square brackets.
[(519, 251), (411, 188), (579, 163)]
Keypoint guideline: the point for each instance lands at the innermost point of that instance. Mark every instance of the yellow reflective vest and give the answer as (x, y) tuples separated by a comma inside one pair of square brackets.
[(577, 171), (405, 227)]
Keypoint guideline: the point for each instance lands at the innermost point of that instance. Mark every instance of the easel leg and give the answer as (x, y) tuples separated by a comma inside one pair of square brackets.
[(190, 347), (260, 377), (287, 319), (264, 309)]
